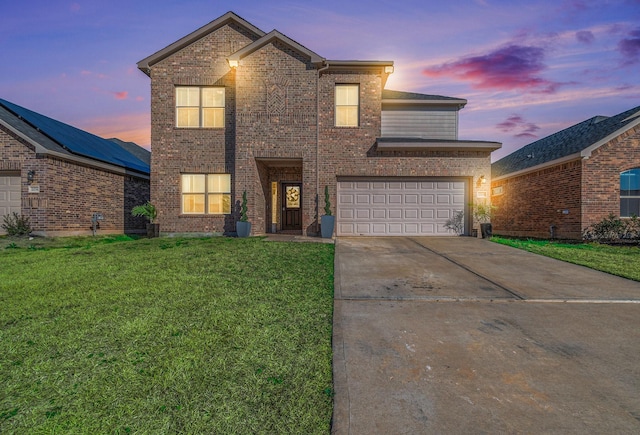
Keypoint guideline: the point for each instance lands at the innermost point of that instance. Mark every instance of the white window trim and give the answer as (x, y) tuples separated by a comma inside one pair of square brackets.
[(206, 194), (335, 106), (200, 107)]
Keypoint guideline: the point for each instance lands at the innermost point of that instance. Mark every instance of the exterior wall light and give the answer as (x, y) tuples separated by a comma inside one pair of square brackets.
[(30, 176), (483, 180), (233, 63), (388, 69)]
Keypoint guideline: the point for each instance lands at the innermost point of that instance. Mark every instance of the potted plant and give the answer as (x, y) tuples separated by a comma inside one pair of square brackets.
[(482, 213), (149, 211), (243, 226), (327, 221)]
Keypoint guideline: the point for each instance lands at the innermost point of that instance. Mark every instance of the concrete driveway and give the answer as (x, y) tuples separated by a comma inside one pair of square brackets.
[(461, 335)]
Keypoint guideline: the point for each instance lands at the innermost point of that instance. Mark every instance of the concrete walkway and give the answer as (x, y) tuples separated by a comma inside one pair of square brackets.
[(461, 335)]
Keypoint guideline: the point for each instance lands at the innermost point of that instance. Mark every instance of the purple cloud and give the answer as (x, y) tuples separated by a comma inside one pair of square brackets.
[(517, 124), (585, 36), (630, 47), (507, 68)]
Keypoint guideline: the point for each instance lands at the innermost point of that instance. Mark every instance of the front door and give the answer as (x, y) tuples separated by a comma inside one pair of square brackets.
[(292, 206)]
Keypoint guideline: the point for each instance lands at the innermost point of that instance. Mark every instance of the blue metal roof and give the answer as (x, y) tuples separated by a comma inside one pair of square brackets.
[(79, 141)]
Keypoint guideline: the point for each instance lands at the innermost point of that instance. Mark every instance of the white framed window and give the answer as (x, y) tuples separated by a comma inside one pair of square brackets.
[(206, 193), (347, 100), (630, 193), (199, 107)]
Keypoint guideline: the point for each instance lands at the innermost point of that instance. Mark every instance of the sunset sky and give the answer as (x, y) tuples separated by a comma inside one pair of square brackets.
[(527, 68)]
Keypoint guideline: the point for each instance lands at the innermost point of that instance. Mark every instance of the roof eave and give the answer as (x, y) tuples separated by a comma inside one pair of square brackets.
[(435, 145), (401, 102), (145, 64), (555, 162), (274, 35), (586, 153)]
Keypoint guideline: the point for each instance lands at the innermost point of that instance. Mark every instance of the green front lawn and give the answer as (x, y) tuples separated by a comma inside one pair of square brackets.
[(617, 260), (194, 336)]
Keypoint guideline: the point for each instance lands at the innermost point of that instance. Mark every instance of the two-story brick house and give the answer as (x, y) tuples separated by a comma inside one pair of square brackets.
[(236, 109)]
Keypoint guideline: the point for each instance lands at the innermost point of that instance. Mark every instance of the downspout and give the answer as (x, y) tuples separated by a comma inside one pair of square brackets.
[(318, 147)]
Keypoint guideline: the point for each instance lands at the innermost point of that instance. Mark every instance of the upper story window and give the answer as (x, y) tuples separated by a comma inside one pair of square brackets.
[(206, 193), (347, 105), (630, 193), (199, 107)]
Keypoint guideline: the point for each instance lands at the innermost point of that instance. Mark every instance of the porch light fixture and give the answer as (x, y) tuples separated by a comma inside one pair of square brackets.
[(30, 176), (388, 69), (483, 180), (233, 63)]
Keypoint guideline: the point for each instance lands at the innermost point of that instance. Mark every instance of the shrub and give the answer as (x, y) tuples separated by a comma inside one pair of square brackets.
[(613, 228), (456, 223), (16, 225)]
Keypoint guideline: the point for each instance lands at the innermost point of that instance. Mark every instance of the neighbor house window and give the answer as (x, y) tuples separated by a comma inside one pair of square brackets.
[(347, 105), (630, 193), (206, 193), (199, 107)]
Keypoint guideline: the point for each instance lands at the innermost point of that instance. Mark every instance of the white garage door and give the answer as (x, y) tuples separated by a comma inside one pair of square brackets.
[(398, 208), (9, 197)]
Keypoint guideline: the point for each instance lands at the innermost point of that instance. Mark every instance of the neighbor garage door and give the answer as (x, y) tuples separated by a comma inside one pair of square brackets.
[(9, 196), (398, 208)]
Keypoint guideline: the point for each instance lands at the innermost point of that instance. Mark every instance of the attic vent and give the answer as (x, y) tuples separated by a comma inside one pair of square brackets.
[(597, 119)]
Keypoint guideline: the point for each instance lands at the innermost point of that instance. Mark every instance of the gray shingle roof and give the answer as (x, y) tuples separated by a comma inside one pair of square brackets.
[(572, 140), (62, 138)]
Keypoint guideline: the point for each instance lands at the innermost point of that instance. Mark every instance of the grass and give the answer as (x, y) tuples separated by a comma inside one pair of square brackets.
[(623, 261), (113, 335)]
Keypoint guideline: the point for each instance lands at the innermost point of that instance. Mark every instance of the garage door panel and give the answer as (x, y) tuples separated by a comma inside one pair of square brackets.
[(419, 207), (379, 214)]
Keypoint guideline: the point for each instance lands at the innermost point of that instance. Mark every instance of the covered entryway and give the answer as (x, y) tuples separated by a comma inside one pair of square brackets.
[(399, 207), (9, 196)]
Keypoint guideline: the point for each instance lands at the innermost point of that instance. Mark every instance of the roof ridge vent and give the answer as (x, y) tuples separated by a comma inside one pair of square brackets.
[(598, 119)]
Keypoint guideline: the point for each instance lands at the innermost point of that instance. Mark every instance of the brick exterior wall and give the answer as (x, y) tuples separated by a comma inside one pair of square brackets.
[(70, 193), (588, 189), (278, 108)]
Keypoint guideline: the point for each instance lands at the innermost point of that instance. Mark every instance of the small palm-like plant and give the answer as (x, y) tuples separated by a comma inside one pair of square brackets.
[(147, 210)]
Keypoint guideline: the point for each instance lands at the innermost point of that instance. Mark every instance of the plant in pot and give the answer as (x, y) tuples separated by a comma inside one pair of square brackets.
[(149, 211), (243, 226), (327, 221), (482, 213)]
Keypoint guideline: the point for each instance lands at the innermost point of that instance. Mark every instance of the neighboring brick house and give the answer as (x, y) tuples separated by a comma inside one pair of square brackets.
[(236, 109), (560, 185), (59, 176)]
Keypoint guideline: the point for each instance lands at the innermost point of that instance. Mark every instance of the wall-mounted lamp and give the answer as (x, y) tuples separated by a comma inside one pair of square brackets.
[(30, 176), (388, 69), (233, 63), (483, 180)]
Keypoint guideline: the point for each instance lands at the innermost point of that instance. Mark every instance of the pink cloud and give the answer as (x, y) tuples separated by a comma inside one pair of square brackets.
[(121, 95), (630, 47), (508, 68), (517, 124)]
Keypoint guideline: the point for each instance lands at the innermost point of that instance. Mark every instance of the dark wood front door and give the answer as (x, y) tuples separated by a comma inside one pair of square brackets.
[(291, 206)]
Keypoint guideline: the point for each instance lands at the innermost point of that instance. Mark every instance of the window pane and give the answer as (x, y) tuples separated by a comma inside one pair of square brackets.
[(213, 118), (219, 203), (629, 207), (193, 203), (212, 97), (347, 116), (193, 183), (219, 183), (630, 183), (188, 96), (347, 95), (187, 117)]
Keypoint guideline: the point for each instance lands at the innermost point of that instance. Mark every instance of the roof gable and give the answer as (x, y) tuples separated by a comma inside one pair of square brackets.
[(63, 137), (214, 25), (271, 37), (580, 140)]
